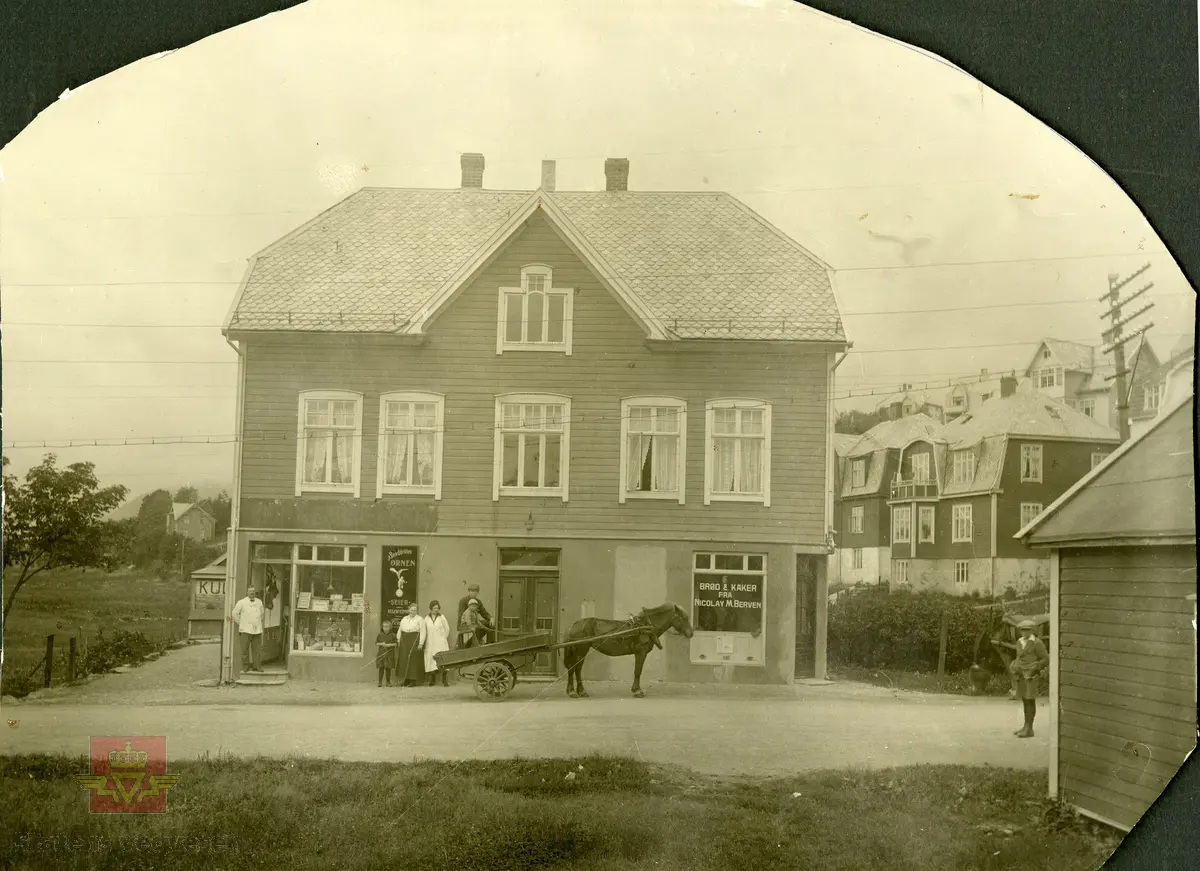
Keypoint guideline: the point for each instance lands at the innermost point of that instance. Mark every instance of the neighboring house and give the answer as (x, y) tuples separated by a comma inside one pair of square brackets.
[(907, 402), (969, 393), (1163, 387), (1083, 378), (1122, 546), (586, 402), (190, 520), (863, 526), (207, 612), (961, 493)]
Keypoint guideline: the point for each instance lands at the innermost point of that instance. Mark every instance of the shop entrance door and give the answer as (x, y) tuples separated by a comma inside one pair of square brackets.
[(806, 615), (529, 600)]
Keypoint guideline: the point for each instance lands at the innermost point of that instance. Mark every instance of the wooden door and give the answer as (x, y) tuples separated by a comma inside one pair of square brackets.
[(806, 615), (529, 605)]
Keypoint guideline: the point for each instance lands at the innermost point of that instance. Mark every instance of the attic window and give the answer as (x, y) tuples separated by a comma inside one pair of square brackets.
[(535, 316), (1045, 353)]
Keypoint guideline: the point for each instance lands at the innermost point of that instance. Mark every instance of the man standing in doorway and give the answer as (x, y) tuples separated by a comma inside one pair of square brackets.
[(248, 616), (472, 593)]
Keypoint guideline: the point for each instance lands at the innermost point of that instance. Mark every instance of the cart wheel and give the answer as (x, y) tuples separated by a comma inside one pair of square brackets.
[(494, 680)]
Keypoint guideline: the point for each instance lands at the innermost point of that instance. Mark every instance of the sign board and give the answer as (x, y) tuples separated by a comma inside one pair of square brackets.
[(401, 570), (728, 603)]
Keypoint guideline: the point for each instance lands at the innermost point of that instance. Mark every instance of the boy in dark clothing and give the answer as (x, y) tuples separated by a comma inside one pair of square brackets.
[(385, 652), (1032, 659), (472, 593)]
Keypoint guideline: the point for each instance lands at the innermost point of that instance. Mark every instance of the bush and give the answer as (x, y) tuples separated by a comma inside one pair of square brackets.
[(881, 629), (119, 648)]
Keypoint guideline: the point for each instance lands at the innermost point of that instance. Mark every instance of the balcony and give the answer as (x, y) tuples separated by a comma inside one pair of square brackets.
[(912, 489)]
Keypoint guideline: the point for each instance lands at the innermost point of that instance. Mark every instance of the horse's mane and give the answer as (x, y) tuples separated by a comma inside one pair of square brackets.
[(659, 609)]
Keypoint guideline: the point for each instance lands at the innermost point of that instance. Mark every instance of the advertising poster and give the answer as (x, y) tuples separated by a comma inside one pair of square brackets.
[(728, 603), (401, 569)]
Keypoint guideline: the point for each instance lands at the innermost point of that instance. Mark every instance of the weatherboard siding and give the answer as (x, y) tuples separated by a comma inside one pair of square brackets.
[(1127, 687), (610, 361)]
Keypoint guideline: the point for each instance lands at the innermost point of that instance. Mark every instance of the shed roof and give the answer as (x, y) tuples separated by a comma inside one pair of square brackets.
[(1144, 489), (214, 569), (696, 265)]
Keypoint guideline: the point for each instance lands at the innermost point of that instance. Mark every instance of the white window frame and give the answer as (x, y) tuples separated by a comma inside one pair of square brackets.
[(1086, 407), (958, 401), (900, 571), (1029, 511), (899, 511), (962, 572), (962, 512), (922, 511), (1152, 396), (709, 451), (567, 293), (1030, 452), (302, 487), (963, 466), (1054, 379), (679, 406), (1098, 458), (562, 490), (921, 475), (858, 473), (856, 558), (297, 561), (704, 640), (857, 515), (434, 490)]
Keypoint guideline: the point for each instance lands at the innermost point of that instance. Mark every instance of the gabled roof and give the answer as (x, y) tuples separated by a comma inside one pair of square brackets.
[(1144, 489), (919, 397), (178, 509), (1072, 356), (1024, 415), (688, 265)]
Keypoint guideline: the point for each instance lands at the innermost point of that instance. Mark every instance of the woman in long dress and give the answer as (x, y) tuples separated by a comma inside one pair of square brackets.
[(411, 666), (437, 639)]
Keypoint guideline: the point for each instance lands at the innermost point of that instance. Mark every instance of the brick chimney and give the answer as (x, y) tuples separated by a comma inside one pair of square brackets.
[(616, 174), (548, 175), (1008, 385), (472, 170)]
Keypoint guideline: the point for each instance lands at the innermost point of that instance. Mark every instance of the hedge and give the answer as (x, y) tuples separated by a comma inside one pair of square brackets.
[(875, 628)]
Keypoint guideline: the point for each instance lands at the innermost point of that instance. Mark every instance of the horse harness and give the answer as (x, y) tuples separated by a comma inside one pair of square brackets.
[(642, 621)]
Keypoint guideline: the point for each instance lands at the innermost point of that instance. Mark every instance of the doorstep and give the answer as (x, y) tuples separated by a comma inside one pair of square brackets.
[(271, 675)]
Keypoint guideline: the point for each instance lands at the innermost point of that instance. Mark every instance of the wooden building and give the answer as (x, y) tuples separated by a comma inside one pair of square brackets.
[(206, 611), (1122, 544), (191, 520), (585, 402)]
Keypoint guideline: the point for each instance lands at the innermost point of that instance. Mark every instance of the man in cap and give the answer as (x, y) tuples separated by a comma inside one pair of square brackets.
[(248, 616), (1031, 660), (472, 593)]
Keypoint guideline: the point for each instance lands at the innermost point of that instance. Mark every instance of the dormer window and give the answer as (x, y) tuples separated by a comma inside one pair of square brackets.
[(535, 316), (963, 470), (858, 473)]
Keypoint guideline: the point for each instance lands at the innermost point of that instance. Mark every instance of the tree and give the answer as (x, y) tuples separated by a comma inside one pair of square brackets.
[(221, 510), (56, 520), (186, 494), (151, 527), (858, 422)]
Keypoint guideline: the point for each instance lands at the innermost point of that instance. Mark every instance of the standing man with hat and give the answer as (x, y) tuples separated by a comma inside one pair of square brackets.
[(1032, 659), (472, 593), (248, 616)]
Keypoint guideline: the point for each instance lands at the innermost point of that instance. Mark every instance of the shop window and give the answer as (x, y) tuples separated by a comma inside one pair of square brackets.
[(728, 608), (330, 599)]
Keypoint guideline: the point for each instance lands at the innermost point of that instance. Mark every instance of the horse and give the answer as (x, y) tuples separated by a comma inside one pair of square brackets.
[(656, 620)]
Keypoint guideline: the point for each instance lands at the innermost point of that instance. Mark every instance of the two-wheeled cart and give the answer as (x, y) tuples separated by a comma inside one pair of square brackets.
[(493, 667)]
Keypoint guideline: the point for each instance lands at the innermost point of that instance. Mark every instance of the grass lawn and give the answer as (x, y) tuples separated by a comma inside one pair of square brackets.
[(526, 814), (921, 681), (81, 602)]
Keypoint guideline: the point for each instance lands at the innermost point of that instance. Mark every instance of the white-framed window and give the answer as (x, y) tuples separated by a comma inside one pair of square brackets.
[(958, 400), (963, 470), (1086, 407), (962, 517), (962, 572), (900, 572), (1152, 396), (1046, 353), (1031, 463), (902, 524), (1029, 510), (330, 595), (858, 473), (856, 519), (1050, 376), (410, 444), (920, 467), (857, 558), (329, 441), (1097, 458), (737, 437), (532, 446), (535, 316), (653, 448), (729, 609), (926, 516)]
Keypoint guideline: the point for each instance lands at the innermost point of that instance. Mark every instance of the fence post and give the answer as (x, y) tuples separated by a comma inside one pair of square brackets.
[(942, 637), (71, 661), (49, 659)]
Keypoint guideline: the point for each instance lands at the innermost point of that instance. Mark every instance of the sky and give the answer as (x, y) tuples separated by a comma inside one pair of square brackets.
[(960, 229)]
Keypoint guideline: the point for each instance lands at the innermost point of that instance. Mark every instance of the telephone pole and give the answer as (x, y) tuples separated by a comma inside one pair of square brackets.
[(1114, 340)]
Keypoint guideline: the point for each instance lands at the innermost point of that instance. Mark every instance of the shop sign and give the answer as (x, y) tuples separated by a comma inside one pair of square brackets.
[(401, 569), (728, 603)]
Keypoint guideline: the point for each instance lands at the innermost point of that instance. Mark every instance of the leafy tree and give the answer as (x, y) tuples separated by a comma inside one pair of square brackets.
[(55, 520), (221, 510), (151, 527), (858, 422), (186, 494)]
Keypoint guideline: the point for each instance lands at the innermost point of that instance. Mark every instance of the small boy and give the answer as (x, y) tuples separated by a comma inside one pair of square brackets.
[(385, 652), (1032, 659)]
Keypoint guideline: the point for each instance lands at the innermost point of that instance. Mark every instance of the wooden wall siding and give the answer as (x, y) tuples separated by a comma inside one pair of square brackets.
[(333, 512), (943, 547), (874, 533), (1127, 689), (1063, 464), (610, 361)]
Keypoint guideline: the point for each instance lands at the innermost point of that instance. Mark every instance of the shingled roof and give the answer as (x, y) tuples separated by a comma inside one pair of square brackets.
[(694, 265)]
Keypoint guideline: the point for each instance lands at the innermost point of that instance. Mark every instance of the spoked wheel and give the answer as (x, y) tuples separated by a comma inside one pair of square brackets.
[(494, 680)]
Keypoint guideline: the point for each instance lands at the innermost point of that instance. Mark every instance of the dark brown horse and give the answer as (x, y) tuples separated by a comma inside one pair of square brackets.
[(655, 620)]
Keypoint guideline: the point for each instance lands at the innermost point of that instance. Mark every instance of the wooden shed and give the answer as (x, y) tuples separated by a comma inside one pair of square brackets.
[(1123, 641), (206, 614)]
